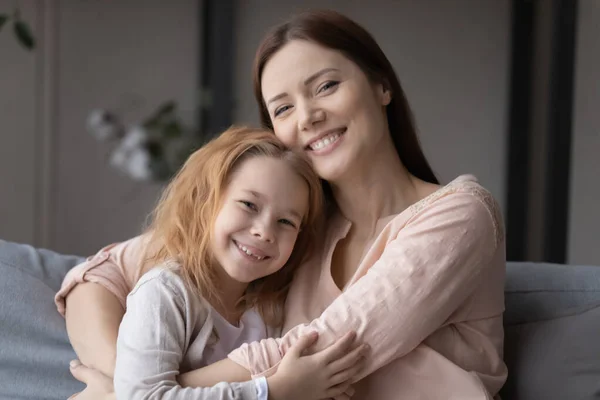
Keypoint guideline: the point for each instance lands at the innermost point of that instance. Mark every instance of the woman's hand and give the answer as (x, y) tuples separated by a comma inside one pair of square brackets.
[(99, 386), (322, 375)]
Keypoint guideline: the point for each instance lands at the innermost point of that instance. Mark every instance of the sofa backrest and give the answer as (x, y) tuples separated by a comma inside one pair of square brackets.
[(552, 332)]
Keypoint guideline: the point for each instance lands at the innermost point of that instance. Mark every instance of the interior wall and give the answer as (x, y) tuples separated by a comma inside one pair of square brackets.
[(123, 56), (584, 219)]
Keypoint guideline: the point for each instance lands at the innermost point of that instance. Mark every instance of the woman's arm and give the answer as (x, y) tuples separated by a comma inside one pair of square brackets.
[(93, 315), (92, 299), (422, 277), (156, 335)]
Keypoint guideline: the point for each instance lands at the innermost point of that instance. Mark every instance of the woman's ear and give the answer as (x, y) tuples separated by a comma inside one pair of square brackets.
[(385, 94)]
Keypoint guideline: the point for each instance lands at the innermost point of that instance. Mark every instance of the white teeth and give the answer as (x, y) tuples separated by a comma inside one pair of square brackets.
[(326, 141), (245, 250)]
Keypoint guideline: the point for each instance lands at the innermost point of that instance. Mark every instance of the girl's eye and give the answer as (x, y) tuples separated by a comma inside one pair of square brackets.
[(327, 85), (287, 222), (249, 204), (281, 109)]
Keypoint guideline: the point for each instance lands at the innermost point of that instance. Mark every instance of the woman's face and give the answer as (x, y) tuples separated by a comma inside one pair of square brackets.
[(322, 103)]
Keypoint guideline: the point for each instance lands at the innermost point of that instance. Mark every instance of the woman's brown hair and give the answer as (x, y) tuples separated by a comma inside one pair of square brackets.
[(181, 224), (338, 32)]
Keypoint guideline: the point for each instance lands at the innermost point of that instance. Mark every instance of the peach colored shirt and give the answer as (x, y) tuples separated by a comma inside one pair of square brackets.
[(428, 298)]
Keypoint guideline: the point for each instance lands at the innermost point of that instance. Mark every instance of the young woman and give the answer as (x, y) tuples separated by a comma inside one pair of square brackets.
[(416, 269)]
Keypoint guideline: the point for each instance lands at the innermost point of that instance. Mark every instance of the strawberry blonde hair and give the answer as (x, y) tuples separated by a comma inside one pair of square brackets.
[(181, 224)]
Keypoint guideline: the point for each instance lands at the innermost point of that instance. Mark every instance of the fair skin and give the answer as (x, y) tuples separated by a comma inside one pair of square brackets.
[(314, 93), (257, 226)]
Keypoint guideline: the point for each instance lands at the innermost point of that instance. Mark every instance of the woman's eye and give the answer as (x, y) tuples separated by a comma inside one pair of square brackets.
[(287, 222), (249, 204), (327, 85), (281, 109)]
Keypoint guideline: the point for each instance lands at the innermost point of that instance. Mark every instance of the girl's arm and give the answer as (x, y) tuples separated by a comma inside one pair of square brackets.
[(156, 333), (422, 277)]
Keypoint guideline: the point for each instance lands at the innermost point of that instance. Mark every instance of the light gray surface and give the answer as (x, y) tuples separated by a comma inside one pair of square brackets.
[(552, 326), (34, 347)]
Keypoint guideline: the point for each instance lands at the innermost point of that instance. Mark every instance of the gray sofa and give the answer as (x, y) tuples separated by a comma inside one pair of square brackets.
[(552, 327)]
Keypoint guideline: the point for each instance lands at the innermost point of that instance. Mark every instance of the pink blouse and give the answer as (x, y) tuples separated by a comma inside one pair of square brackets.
[(427, 297)]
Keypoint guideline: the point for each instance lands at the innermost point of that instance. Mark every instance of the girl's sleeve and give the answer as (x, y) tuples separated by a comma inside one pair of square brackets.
[(115, 267), (424, 274), (152, 343)]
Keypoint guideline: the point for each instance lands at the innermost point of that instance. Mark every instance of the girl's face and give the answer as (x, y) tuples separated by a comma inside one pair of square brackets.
[(322, 103), (260, 217)]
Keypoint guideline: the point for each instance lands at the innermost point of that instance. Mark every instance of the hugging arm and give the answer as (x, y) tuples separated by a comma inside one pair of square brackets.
[(94, 339), (422, 277)]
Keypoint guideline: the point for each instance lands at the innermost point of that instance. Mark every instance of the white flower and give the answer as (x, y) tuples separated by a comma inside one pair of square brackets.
[(138, 164), (135, 137), (118, 158), (103, 125)]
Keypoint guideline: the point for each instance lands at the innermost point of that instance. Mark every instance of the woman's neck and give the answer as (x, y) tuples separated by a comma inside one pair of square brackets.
[(381, 188)]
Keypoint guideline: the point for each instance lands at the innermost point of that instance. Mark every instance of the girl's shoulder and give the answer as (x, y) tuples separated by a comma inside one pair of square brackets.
[(165, 276)]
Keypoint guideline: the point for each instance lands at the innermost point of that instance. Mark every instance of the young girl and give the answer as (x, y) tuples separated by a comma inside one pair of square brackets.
[(219, 255)]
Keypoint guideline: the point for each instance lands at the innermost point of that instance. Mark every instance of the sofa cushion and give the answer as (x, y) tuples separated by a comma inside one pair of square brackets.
[(552, 332), (34, 346)]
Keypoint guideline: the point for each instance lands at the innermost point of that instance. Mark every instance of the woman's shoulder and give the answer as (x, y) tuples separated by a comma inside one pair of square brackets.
[(464, 195)]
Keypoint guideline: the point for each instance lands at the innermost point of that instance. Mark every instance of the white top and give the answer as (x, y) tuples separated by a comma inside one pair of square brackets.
[(169, 329)]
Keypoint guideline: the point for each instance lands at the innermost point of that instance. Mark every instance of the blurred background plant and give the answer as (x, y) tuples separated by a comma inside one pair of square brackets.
[(150, 151), (20, 28)]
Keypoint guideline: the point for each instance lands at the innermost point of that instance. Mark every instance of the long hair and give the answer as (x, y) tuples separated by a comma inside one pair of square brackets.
[(181, 224), (338, 32)]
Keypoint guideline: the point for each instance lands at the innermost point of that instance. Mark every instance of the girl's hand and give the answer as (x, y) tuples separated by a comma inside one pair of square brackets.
[(99, 386), (322, 375)]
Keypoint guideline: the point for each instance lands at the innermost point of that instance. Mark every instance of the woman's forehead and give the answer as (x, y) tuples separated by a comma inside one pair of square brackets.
[(297, 61)]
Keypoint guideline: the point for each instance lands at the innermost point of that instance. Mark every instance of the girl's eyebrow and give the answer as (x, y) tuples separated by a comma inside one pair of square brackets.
[(307, 81), (260, 196)]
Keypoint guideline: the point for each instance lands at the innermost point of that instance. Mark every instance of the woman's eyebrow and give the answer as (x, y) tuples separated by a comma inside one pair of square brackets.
[(317, 74), (307, 82)]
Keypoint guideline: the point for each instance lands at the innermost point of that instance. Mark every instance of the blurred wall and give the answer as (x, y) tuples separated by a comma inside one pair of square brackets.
[(56, 188), (452, 58), (57, 191), (584, 221)]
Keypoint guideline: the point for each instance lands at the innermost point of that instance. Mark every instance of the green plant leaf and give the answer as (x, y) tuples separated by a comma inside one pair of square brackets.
[(24, 35), (3, 19), (173, 130), (164, 111)]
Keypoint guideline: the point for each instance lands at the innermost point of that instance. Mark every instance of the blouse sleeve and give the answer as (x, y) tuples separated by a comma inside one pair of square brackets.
[(423, 275), (115, 267), (153, 339)]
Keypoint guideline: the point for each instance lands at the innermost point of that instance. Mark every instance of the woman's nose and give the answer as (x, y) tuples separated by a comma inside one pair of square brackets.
[(308, 116)]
